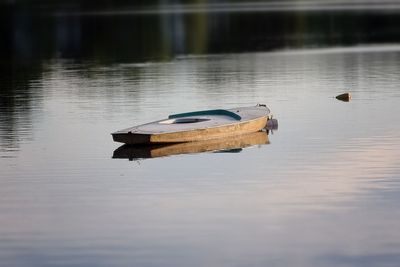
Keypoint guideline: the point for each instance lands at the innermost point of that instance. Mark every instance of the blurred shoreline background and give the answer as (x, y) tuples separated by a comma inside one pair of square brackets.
[(140, 31)]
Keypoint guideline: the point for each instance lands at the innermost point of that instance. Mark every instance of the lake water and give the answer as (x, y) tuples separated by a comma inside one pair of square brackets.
[(325, 191)]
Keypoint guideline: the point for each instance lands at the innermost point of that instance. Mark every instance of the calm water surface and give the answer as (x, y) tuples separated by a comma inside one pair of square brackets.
[(324, 192)]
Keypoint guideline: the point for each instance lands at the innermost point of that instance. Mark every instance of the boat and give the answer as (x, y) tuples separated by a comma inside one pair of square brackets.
[(227, 145), (197, 126)]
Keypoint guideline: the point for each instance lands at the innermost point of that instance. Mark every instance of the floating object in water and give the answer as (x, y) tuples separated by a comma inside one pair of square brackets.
[(344, 97), (197, 126), (272, 124), (226, 144)]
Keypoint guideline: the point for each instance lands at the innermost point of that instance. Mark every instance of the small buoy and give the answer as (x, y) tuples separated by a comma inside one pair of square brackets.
[(272, 124), (344, 97)]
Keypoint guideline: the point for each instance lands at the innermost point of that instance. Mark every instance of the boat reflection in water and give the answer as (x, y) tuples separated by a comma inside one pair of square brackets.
[(231, 144)]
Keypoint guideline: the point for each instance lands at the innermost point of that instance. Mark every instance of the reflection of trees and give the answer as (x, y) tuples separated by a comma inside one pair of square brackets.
[(60, 32), (17, 99)]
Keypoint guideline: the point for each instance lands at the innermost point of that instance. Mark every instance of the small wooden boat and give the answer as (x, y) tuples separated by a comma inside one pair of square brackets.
[(197, 126), (227, 144)]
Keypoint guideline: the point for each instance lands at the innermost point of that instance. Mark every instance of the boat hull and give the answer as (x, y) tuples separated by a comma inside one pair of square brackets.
[(226, 144)]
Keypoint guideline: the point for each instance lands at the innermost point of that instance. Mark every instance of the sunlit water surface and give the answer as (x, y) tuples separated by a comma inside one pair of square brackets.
[(324, 192)]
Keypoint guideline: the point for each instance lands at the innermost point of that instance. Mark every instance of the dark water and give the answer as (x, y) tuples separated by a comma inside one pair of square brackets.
[(129, 34), (323, 192)]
